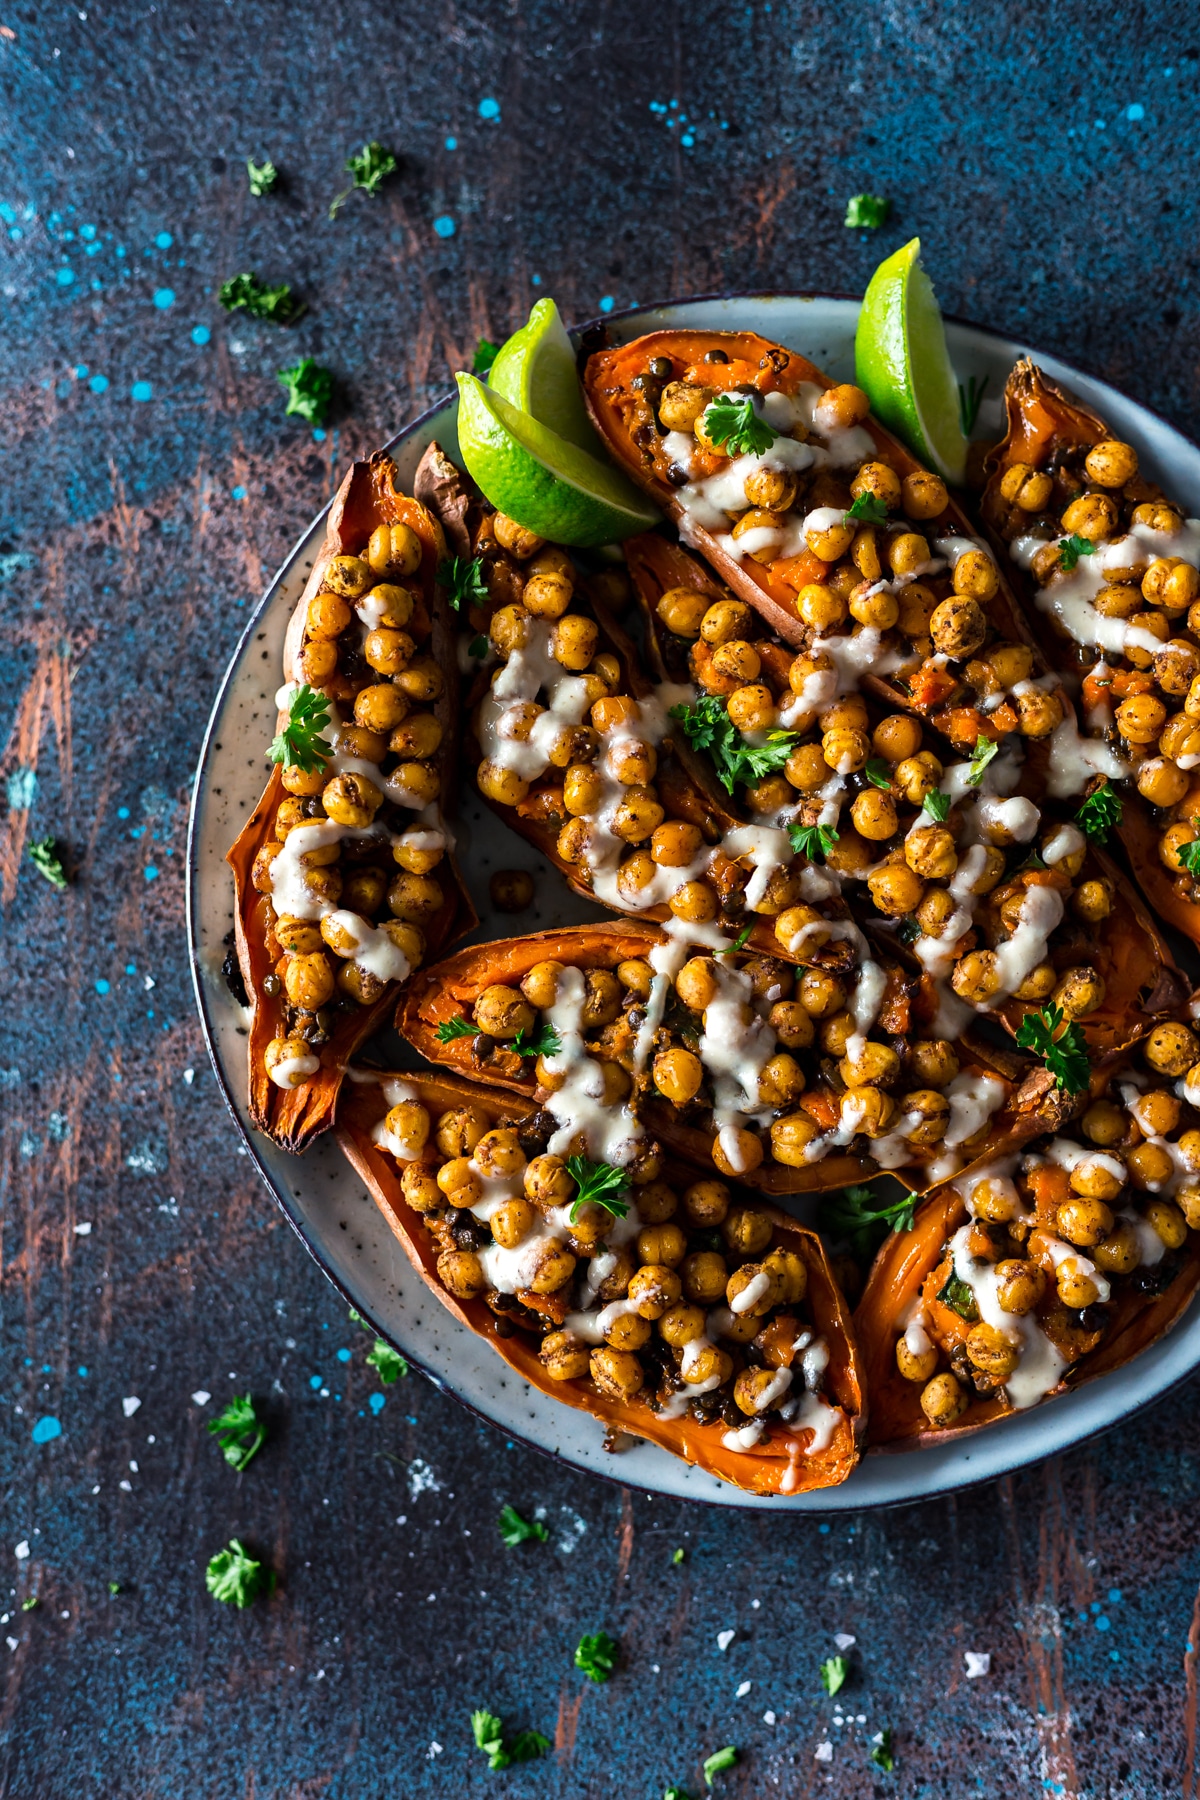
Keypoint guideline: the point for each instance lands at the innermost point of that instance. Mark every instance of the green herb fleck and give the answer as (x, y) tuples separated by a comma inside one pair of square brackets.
[(387, 1363), (834, 1671), (44, 855), (596, 1655), (970, 398), (233, 1576), (707, 726), (908, 931), (882, 1754), (813, 841), (489, 1737), (545, 1041), (240, 1431), (868, 509), (309, 391), (478, 647), (485, 355), (114, 1588), (878, 773), (449, 1029), (516, 1530), (678, 1557), (867, 211), (741, 938), (720, 1759), (300, 744), (985, 749), (675, 1792), (29, 1602), (246, 292), (959, 1296), (1100, 813), (736, 425), (1189, 856), (852, 1215), (937, 805), (526, 1745), (1070, 550), (599, 1184), (263, 177), (1062, 1047), (369, 167), (462, 578)]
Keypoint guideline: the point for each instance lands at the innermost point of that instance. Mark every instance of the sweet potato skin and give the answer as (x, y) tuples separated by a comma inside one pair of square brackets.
[(761, 1471)]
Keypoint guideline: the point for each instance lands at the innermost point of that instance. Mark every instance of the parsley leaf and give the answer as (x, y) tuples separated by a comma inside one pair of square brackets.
[(981, 756), (278, 304), (868, 509), (263, 177), (44, 855), (596, 1655), (878, 773), (834, 1671), (114, 1588), (882, 1754), (599, 1184), (867, 211), (813, 841), (959, 1296), (449, 1029), (707, 726), (369, 167), (1189, 856), (1070, 550), (300, 744), (485, 355), (309, 390), (516, 1530), (526, 1745), (738, 941), (387, 1363), (478, 647), (462, 578), (937, 805), (970, 398), (720, 1759), (678, 1557), (30, 1602), (1100, 813), (234, 1577), (1062, 1049), (735, 424), (545, 1041), (489, 1737), (675, 1792), (853, 1216), (240, 1430)]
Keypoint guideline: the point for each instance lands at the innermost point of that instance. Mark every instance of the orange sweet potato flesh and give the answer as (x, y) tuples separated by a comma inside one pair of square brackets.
[(764, 1470), (295, 1117)]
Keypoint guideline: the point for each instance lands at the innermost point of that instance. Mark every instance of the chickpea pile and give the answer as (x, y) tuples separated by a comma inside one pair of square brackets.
[(1067, 1236), (668, 1323), (366, 647)]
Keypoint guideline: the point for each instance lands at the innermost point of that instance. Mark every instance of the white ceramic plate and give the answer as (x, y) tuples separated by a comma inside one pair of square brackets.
[(320, 1195)]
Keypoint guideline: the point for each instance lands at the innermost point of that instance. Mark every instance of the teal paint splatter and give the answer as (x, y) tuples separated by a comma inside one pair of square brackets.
[(141, 390), (22, 789), (46, 1430), (445, 226)]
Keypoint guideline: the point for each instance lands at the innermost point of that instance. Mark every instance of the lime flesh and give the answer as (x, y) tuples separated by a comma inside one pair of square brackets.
[(903, 366), (535, 370), (545, 483)]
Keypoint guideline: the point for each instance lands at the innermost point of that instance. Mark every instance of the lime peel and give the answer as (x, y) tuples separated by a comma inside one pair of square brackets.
[(903, 366), (535, 370)]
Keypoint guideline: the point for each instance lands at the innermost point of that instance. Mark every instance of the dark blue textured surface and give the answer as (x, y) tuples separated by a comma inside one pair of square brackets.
[(150, 485)]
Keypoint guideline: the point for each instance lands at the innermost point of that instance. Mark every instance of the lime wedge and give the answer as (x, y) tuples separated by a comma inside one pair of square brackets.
[(535, 476), (903, 367), (536, 371)]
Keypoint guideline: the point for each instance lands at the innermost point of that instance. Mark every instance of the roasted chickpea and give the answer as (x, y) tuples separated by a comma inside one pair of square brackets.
[(827, 537), (896, 738), (726, 622), (461, 1274), (1076, 1288), (991, 1350), (1092, 516), (289, 1062), (736, 1151), (820, 607), (706, 1203), (878, 480), (791, 1137), (1103, 1123), (328, 615), (617, 1373), (704, 1276), (745, 1230), (678, 1075), (753, 1391), (958, 626), (515, 538), (662, 1244), (907, 553), (806, 768), (840, 407), (877, 1065), (511, 1222), (540, 984), (1149, 1165), (1093, 899), (933, 1061), (380, 709), (781, 1081), (683, 1324), (1098, 1178), (1080, 992), (976, 977), (1084, 1222), (1038, 713), (654, 1289), (923, 496), (915, 1365), (1119, 1253), (459, 1130), (1171, 1049), (419, 1188), (308, 981), (943, 1400), (696, 983), (637, 976), (1026, 487), (547, 1182), (917, 775), (995, 1198), (930, 851), (874, 815), (681, 404), (896, 889), (709, 1362), (1111, 463), (682, 610), (563, 1357), (502, 1012)]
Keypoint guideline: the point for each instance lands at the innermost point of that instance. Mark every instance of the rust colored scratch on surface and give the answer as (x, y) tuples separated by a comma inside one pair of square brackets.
[(625, 1536), (1040, 1626), (21, 752), (567, 1724), (1191, 1660)]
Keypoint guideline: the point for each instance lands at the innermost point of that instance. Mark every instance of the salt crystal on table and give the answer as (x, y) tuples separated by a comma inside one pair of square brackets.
[(724, 1639), (130, 1405), (22, 1550), (843, 1640), (201, 1397), (83, 1230), (824, 1752), (768, 1718), (743, 1691), (979, 1662)]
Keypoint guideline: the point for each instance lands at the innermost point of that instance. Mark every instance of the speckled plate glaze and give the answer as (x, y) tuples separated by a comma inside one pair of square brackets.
[(320, 1196)]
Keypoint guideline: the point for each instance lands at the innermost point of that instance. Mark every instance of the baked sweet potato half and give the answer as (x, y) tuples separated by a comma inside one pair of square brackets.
[(633, 1048), (1109, 566), (1043, 1269), (344, 875), (676, 1310)]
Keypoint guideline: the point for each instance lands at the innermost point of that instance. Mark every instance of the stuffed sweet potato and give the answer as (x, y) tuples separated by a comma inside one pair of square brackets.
[(352, 824), (677, 1311)]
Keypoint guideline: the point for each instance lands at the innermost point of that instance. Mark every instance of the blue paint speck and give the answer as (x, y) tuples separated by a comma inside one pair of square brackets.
[(102, 986), (150, 872), (46, 1429), (200, 334), (131, 968), (687, 140), (81, 1371), (343, 1356), (1103, 1623), (489, 109), (444, 226), (1114, 1595), (163, 298), (823, 1529), (314, 1381), (239, 493), (80, 371), (1135, 111), (87, 231), (377, 1402), (141, 390), (319, 434), (607, 303), (452, 143), (536, 280), (164, 240), (122, 812), (99, 384), (64, 277)]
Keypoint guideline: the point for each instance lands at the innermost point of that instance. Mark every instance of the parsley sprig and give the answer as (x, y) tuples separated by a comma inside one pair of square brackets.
[(734, 423), (263, 177), (450, 1029), (1070, 550), (240, 1431), (485, 355), (882, 1753), (983, 753), (937, 805), (868, 509), (234, 1577), (813, 841), (387, 1363), (834, 1671), (707, 726), (1100, 813), (488, 1731), (596, 1655), (1189, 856), (46, 859), (516, 1530), (867, 211), (725, 1758), (300, 744), (462, 578), (599, 1184), (369, 167), (544, 1041), (878, 773), (1062, 1047), (309, 390), (741, 938), (247, 293), (852, 1215)]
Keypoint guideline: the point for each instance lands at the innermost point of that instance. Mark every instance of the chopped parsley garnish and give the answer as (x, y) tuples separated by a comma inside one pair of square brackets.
[(1063, 1049), (369, 167), (478, 647), (309, 390), (234, 1577), (882, 1754), (462, 578), (720, 1759), (240, 1431), (675, 1792), (1189, 856), (545, 1041), (678, 1557), (596, 1655), (30, 1602), (868, 509), (1070, 550), (908, 930), (981, 756), (485, 355), (878, 773), (867, 211), (1100, 813), (937, 805), (114, 1588), (599, 1184), (970, 398), (247, 292), (735, 424), (738, 941), (852, 1215), (813, 841), (300, 744), (834, 1671), (263, 177), (488, 1732), (516, 1530), (387, 1363), (959, 1296), (708, 726), (449, 1029), (44, 855)]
